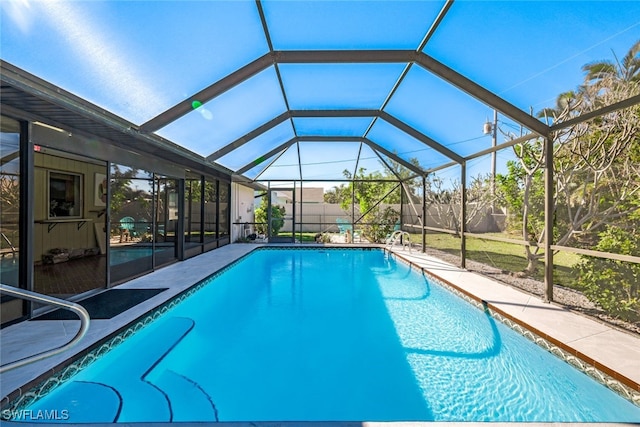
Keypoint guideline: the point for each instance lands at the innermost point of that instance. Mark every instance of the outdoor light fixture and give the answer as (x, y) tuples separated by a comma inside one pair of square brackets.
[(57, 129)]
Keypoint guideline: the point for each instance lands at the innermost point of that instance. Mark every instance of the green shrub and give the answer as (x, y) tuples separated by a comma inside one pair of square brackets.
[(613, 285), (277, 217), (380, 223)]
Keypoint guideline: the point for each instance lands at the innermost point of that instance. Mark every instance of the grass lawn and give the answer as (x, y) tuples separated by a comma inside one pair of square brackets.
[(505, 256), (306, 237)]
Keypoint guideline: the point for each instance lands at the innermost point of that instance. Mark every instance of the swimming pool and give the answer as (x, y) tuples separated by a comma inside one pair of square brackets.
[(330, 335), (121, 255), (9, 270)]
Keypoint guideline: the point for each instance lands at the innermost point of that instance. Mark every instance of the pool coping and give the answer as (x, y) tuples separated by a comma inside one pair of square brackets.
[(429, 265)]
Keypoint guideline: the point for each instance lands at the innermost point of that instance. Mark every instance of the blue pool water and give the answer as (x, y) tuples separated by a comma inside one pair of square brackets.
[(330, 335), (9, 270), (120, 255)]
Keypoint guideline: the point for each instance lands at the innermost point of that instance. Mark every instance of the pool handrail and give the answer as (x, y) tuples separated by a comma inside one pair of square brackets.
[(14, 251), (399, 236), (67, 305)]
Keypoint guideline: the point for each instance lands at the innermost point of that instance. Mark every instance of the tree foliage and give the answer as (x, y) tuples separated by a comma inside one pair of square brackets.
[(262, 217), (336, 194), (370, 191), (521, 190), (121, 191), (597, 184), (613, 285), (444, 199), (10, 193), (373, 192), (596, 163), (627, 70)]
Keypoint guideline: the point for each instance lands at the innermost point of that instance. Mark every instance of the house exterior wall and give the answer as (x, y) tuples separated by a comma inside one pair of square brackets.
[(242, 210), (310, 195)]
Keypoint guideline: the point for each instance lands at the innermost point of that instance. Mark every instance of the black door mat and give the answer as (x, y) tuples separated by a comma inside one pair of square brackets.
[(105, 305)]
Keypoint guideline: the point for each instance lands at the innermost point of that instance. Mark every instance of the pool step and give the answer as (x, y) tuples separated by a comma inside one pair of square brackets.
[(87, 402), (126, 379), (141, 397), (189, 402)]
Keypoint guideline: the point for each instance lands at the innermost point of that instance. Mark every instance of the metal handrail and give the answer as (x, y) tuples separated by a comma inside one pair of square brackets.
[(36, 297), (13, 248), (403, 236)]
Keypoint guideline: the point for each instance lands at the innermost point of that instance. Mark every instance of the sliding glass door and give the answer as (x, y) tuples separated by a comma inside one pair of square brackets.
[(131, 232), (167, 215)]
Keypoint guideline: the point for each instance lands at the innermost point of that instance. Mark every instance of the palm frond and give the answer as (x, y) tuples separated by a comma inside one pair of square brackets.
[(631, 63), (599, 69)]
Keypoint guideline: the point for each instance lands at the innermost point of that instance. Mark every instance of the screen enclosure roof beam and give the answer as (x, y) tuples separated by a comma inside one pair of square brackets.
[(420, 137), (625, 103), (426, 62), (324, 138), (208, 93), (281, 118), (248, 136), (487, 97), (265, 156), (336, 113), (410, 166), (346, 56)]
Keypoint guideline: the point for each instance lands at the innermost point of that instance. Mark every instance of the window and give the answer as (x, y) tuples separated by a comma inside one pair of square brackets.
[(64, 195)]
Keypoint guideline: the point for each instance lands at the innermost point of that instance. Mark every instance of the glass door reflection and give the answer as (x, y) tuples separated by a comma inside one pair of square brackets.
[(166, 215)]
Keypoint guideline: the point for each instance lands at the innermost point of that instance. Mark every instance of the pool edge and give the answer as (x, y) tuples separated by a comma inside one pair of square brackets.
[(615, 381)]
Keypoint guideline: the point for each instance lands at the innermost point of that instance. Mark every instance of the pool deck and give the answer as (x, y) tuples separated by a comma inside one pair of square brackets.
[(615, 352)]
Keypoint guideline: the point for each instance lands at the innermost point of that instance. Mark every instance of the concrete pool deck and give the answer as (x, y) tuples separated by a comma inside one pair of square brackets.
[(613, 351)]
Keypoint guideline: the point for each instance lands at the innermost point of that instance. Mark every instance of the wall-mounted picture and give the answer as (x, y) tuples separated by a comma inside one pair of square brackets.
[(100, 198), (64, 190)]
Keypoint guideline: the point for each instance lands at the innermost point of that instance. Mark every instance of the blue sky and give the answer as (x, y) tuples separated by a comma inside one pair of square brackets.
[(139, 58)]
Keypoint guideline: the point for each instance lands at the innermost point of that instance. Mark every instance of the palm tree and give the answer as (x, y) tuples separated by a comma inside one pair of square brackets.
[(626, 71), (605, 74), (566, 102)]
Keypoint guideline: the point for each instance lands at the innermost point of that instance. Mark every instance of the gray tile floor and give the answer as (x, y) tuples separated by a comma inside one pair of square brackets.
[(617, 350)]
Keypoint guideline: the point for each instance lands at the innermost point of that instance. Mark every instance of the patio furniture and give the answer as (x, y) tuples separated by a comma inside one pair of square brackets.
[(127, 228), (396, 227), (343, 225), (346, 229), (141, 227)]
